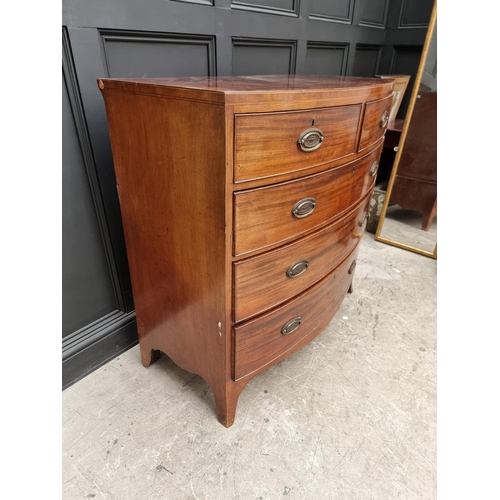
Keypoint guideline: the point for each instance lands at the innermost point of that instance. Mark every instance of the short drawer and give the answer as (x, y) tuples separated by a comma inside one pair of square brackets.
[(265, 340), (262, 282), (270, 144), (375, 122), (276, 214)]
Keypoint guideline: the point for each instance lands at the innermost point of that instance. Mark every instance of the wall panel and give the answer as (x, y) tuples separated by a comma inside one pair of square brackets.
[(415, 13), (141, 55), (87, 288), (326, 59), (279, 7), (337, 11), (367, 59), (374, 13), (263, 57)]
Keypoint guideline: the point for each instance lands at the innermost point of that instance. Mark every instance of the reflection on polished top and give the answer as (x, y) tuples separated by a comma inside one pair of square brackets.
[(271, 83), (229, 88)]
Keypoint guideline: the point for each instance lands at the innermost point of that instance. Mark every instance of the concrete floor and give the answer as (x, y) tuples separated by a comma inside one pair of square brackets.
[(351, 416)]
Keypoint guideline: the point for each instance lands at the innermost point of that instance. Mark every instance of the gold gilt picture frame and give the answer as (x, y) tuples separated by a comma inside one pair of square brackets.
[(404, 132), (400, 85)]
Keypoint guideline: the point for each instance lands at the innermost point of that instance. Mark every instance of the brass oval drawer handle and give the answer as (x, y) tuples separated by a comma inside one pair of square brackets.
[(373, 169), (300, 267), (310, 140), (291, 326), (363, 220), (353, 266), (304, 207), (384, 119)]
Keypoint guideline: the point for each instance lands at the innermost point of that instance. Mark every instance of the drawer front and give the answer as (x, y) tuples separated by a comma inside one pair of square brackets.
[(262, 282), (268, 144), (375, 122), (260, 342), (279, 213)]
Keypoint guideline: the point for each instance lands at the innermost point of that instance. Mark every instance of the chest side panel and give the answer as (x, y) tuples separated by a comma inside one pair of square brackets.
[(169, 159)]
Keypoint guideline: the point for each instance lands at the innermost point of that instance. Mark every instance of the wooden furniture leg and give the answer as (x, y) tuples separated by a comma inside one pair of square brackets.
[(226, 399), (428, 217), (149, 356)]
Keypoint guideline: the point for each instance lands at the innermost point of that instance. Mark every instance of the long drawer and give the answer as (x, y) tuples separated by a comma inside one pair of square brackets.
[(264, 281), (275, 214), (268, 144), (261, 341)]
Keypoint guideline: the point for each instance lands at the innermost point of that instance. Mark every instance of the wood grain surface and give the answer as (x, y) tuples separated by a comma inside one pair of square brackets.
[(171, 191), (372, 131), (260, 93), (266, 144), (261, 282), (263, 216), (259, 342)]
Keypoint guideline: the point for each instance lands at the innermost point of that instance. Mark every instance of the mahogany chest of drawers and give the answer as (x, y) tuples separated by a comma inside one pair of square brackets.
[(243, 202)]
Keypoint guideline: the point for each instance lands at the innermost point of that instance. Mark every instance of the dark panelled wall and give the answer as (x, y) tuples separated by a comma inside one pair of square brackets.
[(126, 38)]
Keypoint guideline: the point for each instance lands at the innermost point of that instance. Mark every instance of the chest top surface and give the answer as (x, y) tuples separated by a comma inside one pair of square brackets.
[(263, 83), (245, 89)]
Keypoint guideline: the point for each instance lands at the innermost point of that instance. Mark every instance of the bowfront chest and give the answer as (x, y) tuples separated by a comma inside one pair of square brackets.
[(243, 201)]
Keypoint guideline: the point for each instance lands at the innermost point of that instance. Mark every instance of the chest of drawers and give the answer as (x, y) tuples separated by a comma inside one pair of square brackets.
[(243, 201)]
